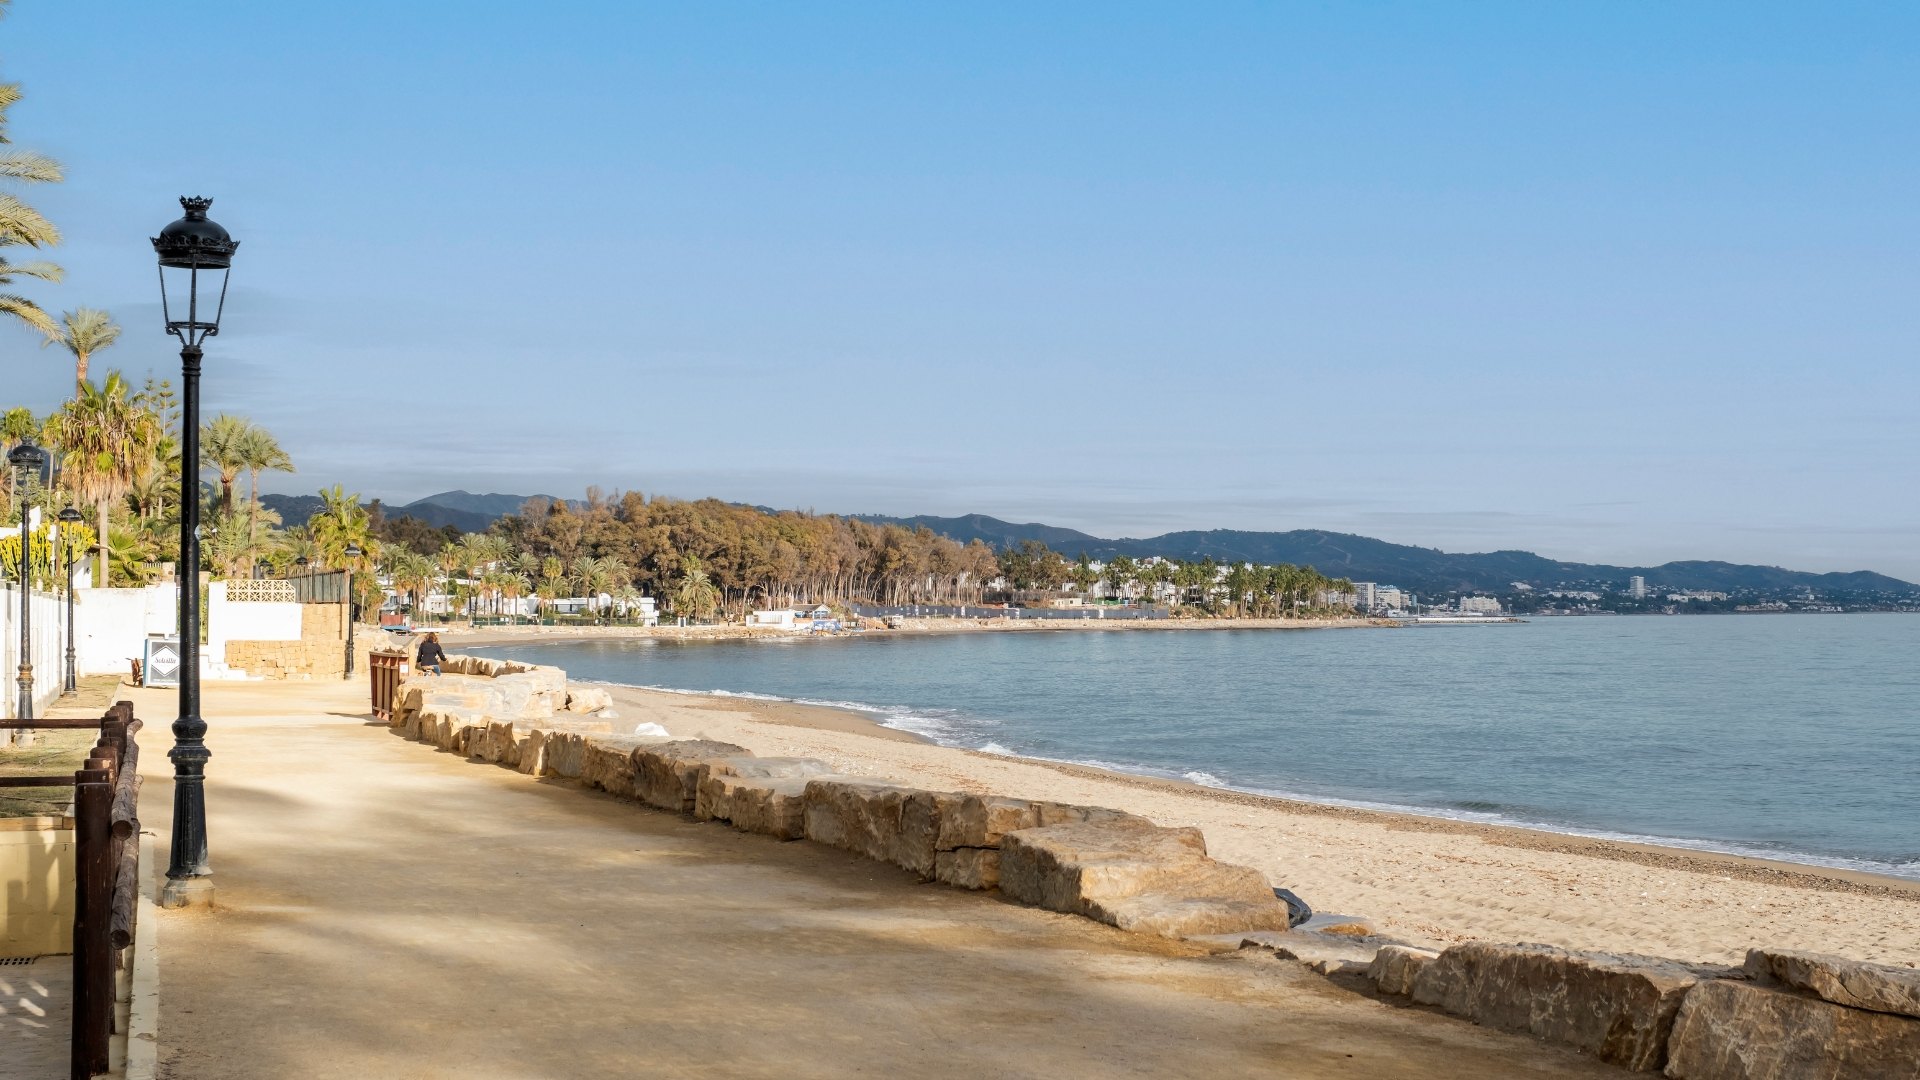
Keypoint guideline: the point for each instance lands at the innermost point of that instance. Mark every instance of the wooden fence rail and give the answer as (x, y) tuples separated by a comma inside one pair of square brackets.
[(106, 872)]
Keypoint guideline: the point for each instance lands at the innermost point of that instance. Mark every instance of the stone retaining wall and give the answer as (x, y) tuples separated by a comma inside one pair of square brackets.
[(1785, 1016)]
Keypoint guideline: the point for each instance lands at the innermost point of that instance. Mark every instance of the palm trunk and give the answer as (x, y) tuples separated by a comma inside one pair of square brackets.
[(100, 540)]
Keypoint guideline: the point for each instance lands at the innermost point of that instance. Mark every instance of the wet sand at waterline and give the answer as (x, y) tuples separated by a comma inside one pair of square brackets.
[(1427, 880)]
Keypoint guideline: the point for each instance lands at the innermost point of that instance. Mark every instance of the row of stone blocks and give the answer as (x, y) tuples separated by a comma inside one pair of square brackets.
[(1115, 867), (474, 687), (1784, 1016)]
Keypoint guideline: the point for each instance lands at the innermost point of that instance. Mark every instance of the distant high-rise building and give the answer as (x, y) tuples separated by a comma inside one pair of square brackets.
[(1363, 595), (1637, 587)]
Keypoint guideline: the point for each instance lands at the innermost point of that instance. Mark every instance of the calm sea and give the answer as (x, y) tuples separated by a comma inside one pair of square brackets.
[(1792, 737)]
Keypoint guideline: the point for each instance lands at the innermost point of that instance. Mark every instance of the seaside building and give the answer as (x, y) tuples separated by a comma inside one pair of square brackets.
[(1363, 595), (1637, 587), (1478, 605)]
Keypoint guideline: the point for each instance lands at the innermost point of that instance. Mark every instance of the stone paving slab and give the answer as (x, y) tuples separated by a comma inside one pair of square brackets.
[(36, 1014)]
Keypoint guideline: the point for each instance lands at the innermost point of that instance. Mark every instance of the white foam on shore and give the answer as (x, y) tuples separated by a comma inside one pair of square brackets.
[(952, 729)]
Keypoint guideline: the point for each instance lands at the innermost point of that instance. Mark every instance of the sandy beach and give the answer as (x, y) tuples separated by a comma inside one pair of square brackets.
[(1425, 880)]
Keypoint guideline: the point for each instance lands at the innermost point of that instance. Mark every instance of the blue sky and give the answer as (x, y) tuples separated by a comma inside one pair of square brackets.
[(1617, 282)]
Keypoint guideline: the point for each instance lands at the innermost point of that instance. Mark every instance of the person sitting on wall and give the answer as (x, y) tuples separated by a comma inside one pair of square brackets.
[(431, 655)]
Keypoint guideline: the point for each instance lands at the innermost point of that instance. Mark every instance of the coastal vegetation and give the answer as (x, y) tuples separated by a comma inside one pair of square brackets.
[(704, 558)]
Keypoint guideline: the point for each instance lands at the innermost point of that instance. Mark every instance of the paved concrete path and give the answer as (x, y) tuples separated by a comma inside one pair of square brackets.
[(385, 910)]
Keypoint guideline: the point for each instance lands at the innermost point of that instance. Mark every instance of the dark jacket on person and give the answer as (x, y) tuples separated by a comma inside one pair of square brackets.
[(431, 653)]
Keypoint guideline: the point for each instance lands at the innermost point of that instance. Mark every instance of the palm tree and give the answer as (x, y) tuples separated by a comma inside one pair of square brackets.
[(129, 554), (291, 545), (83, 332), (342, 523), (451, 560), (104, 434), (1120, 572), (223, 441), (260, 452), (695, 595), (411, 573), (21, 225)]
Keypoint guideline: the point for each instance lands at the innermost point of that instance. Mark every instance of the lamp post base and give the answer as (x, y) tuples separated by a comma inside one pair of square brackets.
[(187, 892)]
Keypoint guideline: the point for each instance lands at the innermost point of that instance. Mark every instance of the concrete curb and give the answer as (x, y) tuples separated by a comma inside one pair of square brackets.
[(143, 1006)]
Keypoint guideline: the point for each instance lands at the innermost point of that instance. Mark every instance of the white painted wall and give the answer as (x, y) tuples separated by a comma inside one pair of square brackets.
[(247, 620), (48, 650), (111, 626)]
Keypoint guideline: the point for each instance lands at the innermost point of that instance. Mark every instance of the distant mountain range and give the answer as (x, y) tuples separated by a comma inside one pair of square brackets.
[(1361, 558), (1357, 558), (462, 509)]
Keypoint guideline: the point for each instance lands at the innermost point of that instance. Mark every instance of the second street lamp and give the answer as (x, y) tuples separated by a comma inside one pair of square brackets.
[(68, 519), (189, 248), (25, 459), (346, 584)]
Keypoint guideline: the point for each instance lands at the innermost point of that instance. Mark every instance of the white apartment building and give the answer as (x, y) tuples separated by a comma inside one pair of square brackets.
[(1483, 605), (1637, 587)]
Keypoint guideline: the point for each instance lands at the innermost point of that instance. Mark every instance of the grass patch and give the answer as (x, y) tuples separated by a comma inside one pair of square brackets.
[(55, 753)]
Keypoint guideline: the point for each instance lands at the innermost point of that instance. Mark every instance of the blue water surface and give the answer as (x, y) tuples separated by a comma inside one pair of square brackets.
[(1794, 737)]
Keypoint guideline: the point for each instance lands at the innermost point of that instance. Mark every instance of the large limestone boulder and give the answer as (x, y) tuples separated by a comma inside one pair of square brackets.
[(979, 821), (414, 696), (565, 754), (856, 814), (667, 771), (1853, 983), (769, 805), (712, 800), (1619, 1008), (532, 755), (492, 742), (1394, 968), (1740, 1031), (582, 699), (1128, 872)]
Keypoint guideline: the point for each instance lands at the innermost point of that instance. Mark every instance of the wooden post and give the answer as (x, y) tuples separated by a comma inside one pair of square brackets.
[(92, 922)]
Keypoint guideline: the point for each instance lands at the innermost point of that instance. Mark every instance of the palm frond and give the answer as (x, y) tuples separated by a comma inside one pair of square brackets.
[(22, 224), (39, 268), (31, 167), (27, 312)]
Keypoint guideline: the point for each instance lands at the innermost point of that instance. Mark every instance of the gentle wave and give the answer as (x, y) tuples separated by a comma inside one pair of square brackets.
[(940, 729)]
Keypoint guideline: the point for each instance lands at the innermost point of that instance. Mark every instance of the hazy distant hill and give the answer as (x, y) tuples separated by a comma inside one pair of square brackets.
[(1361, 558), (1358, 558), (462, 509)]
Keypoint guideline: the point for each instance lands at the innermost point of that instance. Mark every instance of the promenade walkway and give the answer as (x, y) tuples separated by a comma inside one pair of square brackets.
[(388, 911)]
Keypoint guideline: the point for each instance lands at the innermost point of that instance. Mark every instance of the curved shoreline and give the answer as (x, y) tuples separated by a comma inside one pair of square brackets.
[(1535, 838), (1669, 853)]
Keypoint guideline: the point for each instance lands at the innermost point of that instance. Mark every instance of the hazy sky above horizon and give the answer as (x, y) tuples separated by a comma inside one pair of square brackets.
[(1616, 283)]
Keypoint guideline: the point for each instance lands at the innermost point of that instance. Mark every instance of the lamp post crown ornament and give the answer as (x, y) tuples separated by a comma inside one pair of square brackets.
[(26, 456), (195, 241)]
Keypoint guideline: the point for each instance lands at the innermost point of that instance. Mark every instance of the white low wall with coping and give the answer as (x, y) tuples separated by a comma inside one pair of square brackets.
[(247, 620)]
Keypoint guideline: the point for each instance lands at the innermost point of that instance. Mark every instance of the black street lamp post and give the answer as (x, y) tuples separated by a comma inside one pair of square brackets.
[(187, 248), (353, 552), (68, 519), (26, 460)]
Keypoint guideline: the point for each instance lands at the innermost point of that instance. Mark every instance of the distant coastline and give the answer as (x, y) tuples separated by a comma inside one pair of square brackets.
[(487, 636)]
